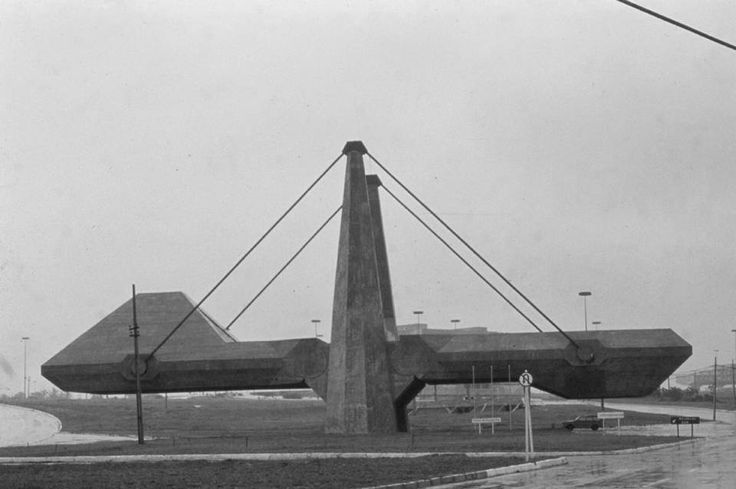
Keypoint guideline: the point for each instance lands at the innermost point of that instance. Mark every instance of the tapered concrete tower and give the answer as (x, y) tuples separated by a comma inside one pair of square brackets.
[(359, 387), (384, 277)]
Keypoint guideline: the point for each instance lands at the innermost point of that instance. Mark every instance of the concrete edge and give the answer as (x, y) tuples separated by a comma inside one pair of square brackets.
[(213, 457), (477, 475), (622, 451), (217, 457)]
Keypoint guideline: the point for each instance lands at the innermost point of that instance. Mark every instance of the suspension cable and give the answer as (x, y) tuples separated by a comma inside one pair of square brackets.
[(176, 328), (459, 256), (283, 268), (495, 270)]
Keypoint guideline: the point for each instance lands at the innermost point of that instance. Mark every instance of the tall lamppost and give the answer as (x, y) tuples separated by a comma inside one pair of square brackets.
[(585, 294), (25, 339), (596, 324), (715, 381), (419, 328), (455, 321), (316, 333)]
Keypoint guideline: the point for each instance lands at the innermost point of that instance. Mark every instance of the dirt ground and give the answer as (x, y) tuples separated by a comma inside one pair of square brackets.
[(308, 474)]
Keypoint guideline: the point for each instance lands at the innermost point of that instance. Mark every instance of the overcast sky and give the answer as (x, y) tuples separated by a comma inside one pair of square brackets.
[(578, 145)]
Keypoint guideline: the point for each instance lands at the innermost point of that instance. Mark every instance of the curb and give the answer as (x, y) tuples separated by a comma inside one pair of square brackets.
[(622, 451), (218, 457), (213, 457), (478, 475)]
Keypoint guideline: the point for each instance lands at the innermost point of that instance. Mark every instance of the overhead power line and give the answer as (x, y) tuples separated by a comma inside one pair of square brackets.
[(678, 24)]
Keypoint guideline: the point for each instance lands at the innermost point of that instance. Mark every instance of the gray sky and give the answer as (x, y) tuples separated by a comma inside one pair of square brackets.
[(579, 145)]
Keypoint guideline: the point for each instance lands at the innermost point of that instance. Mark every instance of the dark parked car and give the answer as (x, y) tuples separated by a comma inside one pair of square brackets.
[(587, 421)]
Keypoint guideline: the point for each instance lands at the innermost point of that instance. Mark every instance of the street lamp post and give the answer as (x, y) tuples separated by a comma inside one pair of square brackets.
[(454, 322), (715, 381), (316, 322), (419, 328), (25, 339), (585, 294)]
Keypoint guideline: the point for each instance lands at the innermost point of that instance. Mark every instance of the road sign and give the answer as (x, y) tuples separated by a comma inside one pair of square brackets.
[(611, 415), (526, 379), (485, 420), (684, 419), (691, 420)]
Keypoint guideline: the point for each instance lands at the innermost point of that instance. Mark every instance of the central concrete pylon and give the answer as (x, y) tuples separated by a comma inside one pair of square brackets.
[(360, 396)]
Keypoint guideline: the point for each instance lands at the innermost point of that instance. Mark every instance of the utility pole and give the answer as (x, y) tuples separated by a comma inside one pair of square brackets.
[(733, 382), (733, 370), (134, 333), (474, 393), (25, 368), (509, 404)]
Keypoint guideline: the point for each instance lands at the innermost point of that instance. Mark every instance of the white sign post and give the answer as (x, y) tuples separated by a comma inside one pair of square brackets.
[(617, 415), (481, 421), (526, 380)]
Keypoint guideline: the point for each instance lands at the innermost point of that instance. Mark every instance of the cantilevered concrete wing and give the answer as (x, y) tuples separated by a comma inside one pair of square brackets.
[(201, 356)]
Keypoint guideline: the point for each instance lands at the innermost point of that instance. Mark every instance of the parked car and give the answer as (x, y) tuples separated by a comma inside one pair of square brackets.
[(586, 421)]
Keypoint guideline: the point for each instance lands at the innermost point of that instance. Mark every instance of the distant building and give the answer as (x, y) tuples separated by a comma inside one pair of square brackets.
[(423, 328)]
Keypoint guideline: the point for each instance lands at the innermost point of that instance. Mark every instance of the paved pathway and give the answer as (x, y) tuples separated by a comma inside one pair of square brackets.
[(704, 464), (21, 426)]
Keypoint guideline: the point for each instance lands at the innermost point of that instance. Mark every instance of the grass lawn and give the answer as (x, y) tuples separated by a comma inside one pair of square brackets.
[(231, 425)]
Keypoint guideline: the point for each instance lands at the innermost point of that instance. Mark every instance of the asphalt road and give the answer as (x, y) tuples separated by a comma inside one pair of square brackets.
[(703, 464)]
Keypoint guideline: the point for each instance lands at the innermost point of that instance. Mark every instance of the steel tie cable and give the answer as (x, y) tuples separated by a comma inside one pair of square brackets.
[(447, 226), (460, 257), (283, 268), (179, 325)]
